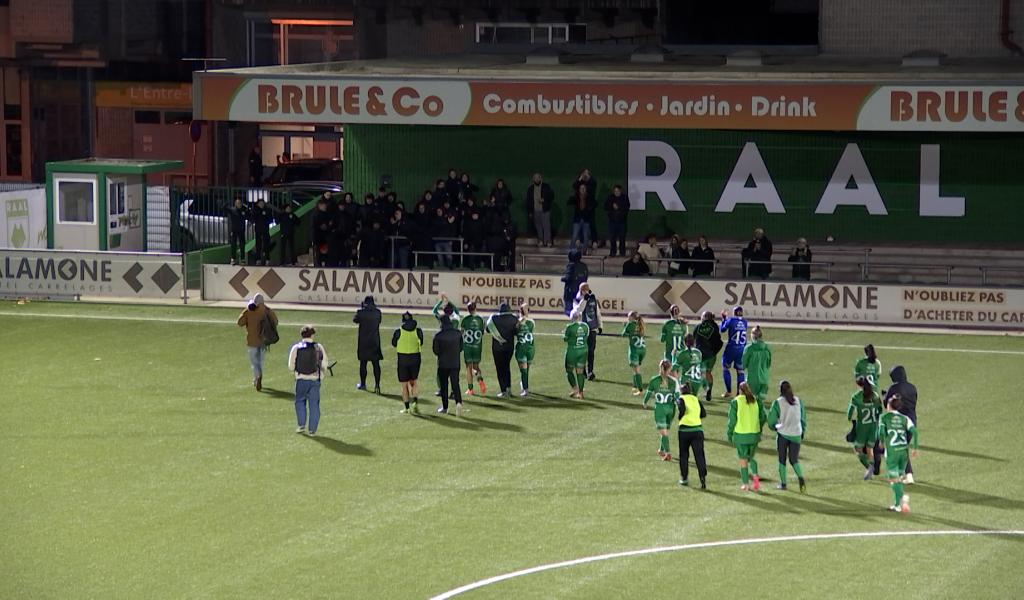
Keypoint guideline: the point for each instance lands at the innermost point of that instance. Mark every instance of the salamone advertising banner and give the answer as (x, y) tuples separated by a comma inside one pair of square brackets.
[(55, 273), (338, 99), (777, 301)]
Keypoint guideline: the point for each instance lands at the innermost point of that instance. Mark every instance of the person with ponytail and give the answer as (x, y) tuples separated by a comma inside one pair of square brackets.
[(575, 338), (869, 367), (865, 407), (691, 436), (664, 389), (746, 419), (635, 331), (789, 421), (524, 348)]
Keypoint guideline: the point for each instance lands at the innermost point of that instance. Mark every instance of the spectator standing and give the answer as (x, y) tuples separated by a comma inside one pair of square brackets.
[(467, 189), (502, 327), (447, 347), (473, 234), (422, 220), (289, 222), (801, 257), (306, 359), (587, 305), (576, 272), (582, 205), (702, 258), (539, 198), (255, 166), (372, 245), (368, 317), (757, 255), (236, 216), (586, 179), (617, 209), (323, 230), (443, 227), (262, 216), (402, 230), (260, 322), (453, 185), (679, 252), (502, 194), (509, 233), (636, 266), (408, 341)]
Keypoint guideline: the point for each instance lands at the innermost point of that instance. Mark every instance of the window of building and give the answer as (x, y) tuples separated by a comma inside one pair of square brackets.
[(531, 33), (76, 201), (147, 117), (178, 117), (116, 201), (13, 148), (296, 41)]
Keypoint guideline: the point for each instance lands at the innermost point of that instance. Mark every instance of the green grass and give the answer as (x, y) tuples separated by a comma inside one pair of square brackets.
[(137, 462)]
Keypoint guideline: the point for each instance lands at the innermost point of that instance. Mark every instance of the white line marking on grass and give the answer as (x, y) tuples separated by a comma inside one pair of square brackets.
[(744, 542), (195, 321)]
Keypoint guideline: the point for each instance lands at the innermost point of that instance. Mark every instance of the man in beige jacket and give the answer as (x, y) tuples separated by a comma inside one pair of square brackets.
[(250, 319)]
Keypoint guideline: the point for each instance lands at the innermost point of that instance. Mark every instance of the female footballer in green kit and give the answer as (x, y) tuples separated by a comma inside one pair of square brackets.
[(869, 367), (899, 434), (575, 338), (472, 348), (688, 365), (636, 331), (746, 418), (664, 389), (865, 406), (524, 348), (673, 332)]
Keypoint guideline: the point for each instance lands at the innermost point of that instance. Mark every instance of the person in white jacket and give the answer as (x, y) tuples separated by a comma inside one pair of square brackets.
[(788, 419)]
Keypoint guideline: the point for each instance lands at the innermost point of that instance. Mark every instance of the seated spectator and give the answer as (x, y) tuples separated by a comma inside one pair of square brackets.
[(702, 258), (679, 251), (756, 256), (650, 250), (801, 254), (636, 266)]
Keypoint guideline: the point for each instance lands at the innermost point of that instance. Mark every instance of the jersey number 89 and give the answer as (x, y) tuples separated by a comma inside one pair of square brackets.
[(472, 337)]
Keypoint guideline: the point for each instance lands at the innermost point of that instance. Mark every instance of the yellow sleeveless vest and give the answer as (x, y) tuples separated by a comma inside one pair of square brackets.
[(691, 418)]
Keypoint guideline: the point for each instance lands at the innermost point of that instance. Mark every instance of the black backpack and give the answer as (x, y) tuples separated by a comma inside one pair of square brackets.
[(307, 359), (268, 331)]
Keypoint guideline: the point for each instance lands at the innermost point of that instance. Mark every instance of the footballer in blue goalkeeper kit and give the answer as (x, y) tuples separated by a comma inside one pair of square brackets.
[(736, 340)]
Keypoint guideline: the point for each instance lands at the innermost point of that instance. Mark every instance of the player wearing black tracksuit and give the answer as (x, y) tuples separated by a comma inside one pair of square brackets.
[(908, 408), (447, 347)]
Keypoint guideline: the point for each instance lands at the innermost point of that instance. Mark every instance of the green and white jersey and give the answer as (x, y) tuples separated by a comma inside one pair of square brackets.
[(673, 332), (868, 370), (661, 392), (864, 413), (524, 333), (575, 337), (689, 363), (631, 331), (439, 310), (473, 331), (897, 432)]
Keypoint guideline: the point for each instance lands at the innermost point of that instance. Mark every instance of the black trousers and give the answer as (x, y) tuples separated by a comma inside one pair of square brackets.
[(788, 449), (502, 358), (288, 249), (692, 440), (237, 241), (449, 380), (262, 246), (591, 348), (376, 372)]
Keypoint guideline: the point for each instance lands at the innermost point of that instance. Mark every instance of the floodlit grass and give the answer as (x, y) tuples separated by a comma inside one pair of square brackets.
[(136, 461)]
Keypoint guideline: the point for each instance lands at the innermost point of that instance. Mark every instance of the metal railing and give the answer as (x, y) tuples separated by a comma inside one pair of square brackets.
[(586, 258), (986, 270), (714, 263), (199, 216), (827, 264), (947, 268), (416, 256), (461, 252)]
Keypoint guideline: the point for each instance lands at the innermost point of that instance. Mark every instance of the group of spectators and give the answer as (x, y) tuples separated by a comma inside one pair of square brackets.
[(699, 261), (381, 232)]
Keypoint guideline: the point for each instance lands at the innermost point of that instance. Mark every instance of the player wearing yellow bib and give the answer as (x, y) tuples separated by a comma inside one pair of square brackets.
[(746, 418), (636, 332), (575, 338), (664, 390), (524, 348), (689, 364), (865, 407), (691, 436), (673, 332), (899, 434)]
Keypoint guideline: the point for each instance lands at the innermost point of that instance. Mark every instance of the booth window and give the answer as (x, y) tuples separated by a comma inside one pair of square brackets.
[(116, 199), (75, 202), (527, 33)]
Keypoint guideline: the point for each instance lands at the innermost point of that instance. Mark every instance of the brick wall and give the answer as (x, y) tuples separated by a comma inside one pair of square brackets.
[(959, 28)]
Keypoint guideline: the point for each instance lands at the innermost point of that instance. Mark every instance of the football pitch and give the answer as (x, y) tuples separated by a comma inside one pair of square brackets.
[(136, 461)]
